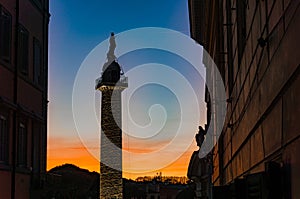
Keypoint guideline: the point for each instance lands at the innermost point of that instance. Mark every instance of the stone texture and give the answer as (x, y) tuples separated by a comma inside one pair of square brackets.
[(275, 14), (275, 37), (256, 148), (272, 129), (245, 154), (228, 174), (227, 155), (111, 144), (291, 124), (292, 162)]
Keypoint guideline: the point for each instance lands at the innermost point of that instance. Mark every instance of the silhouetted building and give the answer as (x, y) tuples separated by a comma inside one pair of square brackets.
[(153, 190), (23, 96), (255, 46)]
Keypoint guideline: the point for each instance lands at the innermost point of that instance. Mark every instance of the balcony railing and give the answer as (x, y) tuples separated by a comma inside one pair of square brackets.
[(123, 82)]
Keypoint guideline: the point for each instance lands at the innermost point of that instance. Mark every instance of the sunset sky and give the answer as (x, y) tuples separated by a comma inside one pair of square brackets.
[(78, 27)]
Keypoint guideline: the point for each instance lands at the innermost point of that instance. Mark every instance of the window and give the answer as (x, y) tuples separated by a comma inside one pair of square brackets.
[(5, 35), (4, 146), (23, 50), (37, 62), (22, 146), (37, 130), (241, 6)]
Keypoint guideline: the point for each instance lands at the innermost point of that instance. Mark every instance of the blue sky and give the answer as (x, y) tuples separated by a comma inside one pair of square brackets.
[(77, 27)]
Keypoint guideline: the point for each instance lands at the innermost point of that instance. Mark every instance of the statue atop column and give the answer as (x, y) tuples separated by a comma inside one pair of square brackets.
[(111, 70), (111, 86), (110, 56)]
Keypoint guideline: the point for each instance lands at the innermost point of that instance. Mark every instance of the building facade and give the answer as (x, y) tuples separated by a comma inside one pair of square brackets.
[(254, 44), (23, 96)]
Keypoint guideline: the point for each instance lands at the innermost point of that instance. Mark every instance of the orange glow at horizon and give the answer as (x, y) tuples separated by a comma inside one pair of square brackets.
[(62, 151)]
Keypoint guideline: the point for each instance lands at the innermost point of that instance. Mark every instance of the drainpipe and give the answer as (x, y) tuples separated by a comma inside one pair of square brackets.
[(15, 100), (46, 17)]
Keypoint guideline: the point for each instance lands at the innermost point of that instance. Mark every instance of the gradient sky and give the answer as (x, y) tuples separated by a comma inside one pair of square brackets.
[(76, 28)]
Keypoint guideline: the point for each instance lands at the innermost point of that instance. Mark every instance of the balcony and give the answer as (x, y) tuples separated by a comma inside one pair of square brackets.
[(122, 82)]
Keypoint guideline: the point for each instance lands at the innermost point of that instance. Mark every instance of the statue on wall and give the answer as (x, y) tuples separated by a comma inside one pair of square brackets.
[(198, 168)]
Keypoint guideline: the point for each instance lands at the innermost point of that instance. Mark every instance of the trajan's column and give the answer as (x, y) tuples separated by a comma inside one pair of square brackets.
[(111, 84)]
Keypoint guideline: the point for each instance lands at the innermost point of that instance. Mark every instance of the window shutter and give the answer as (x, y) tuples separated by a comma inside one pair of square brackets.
[(23, 51), (37, 62), (5, 35)]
